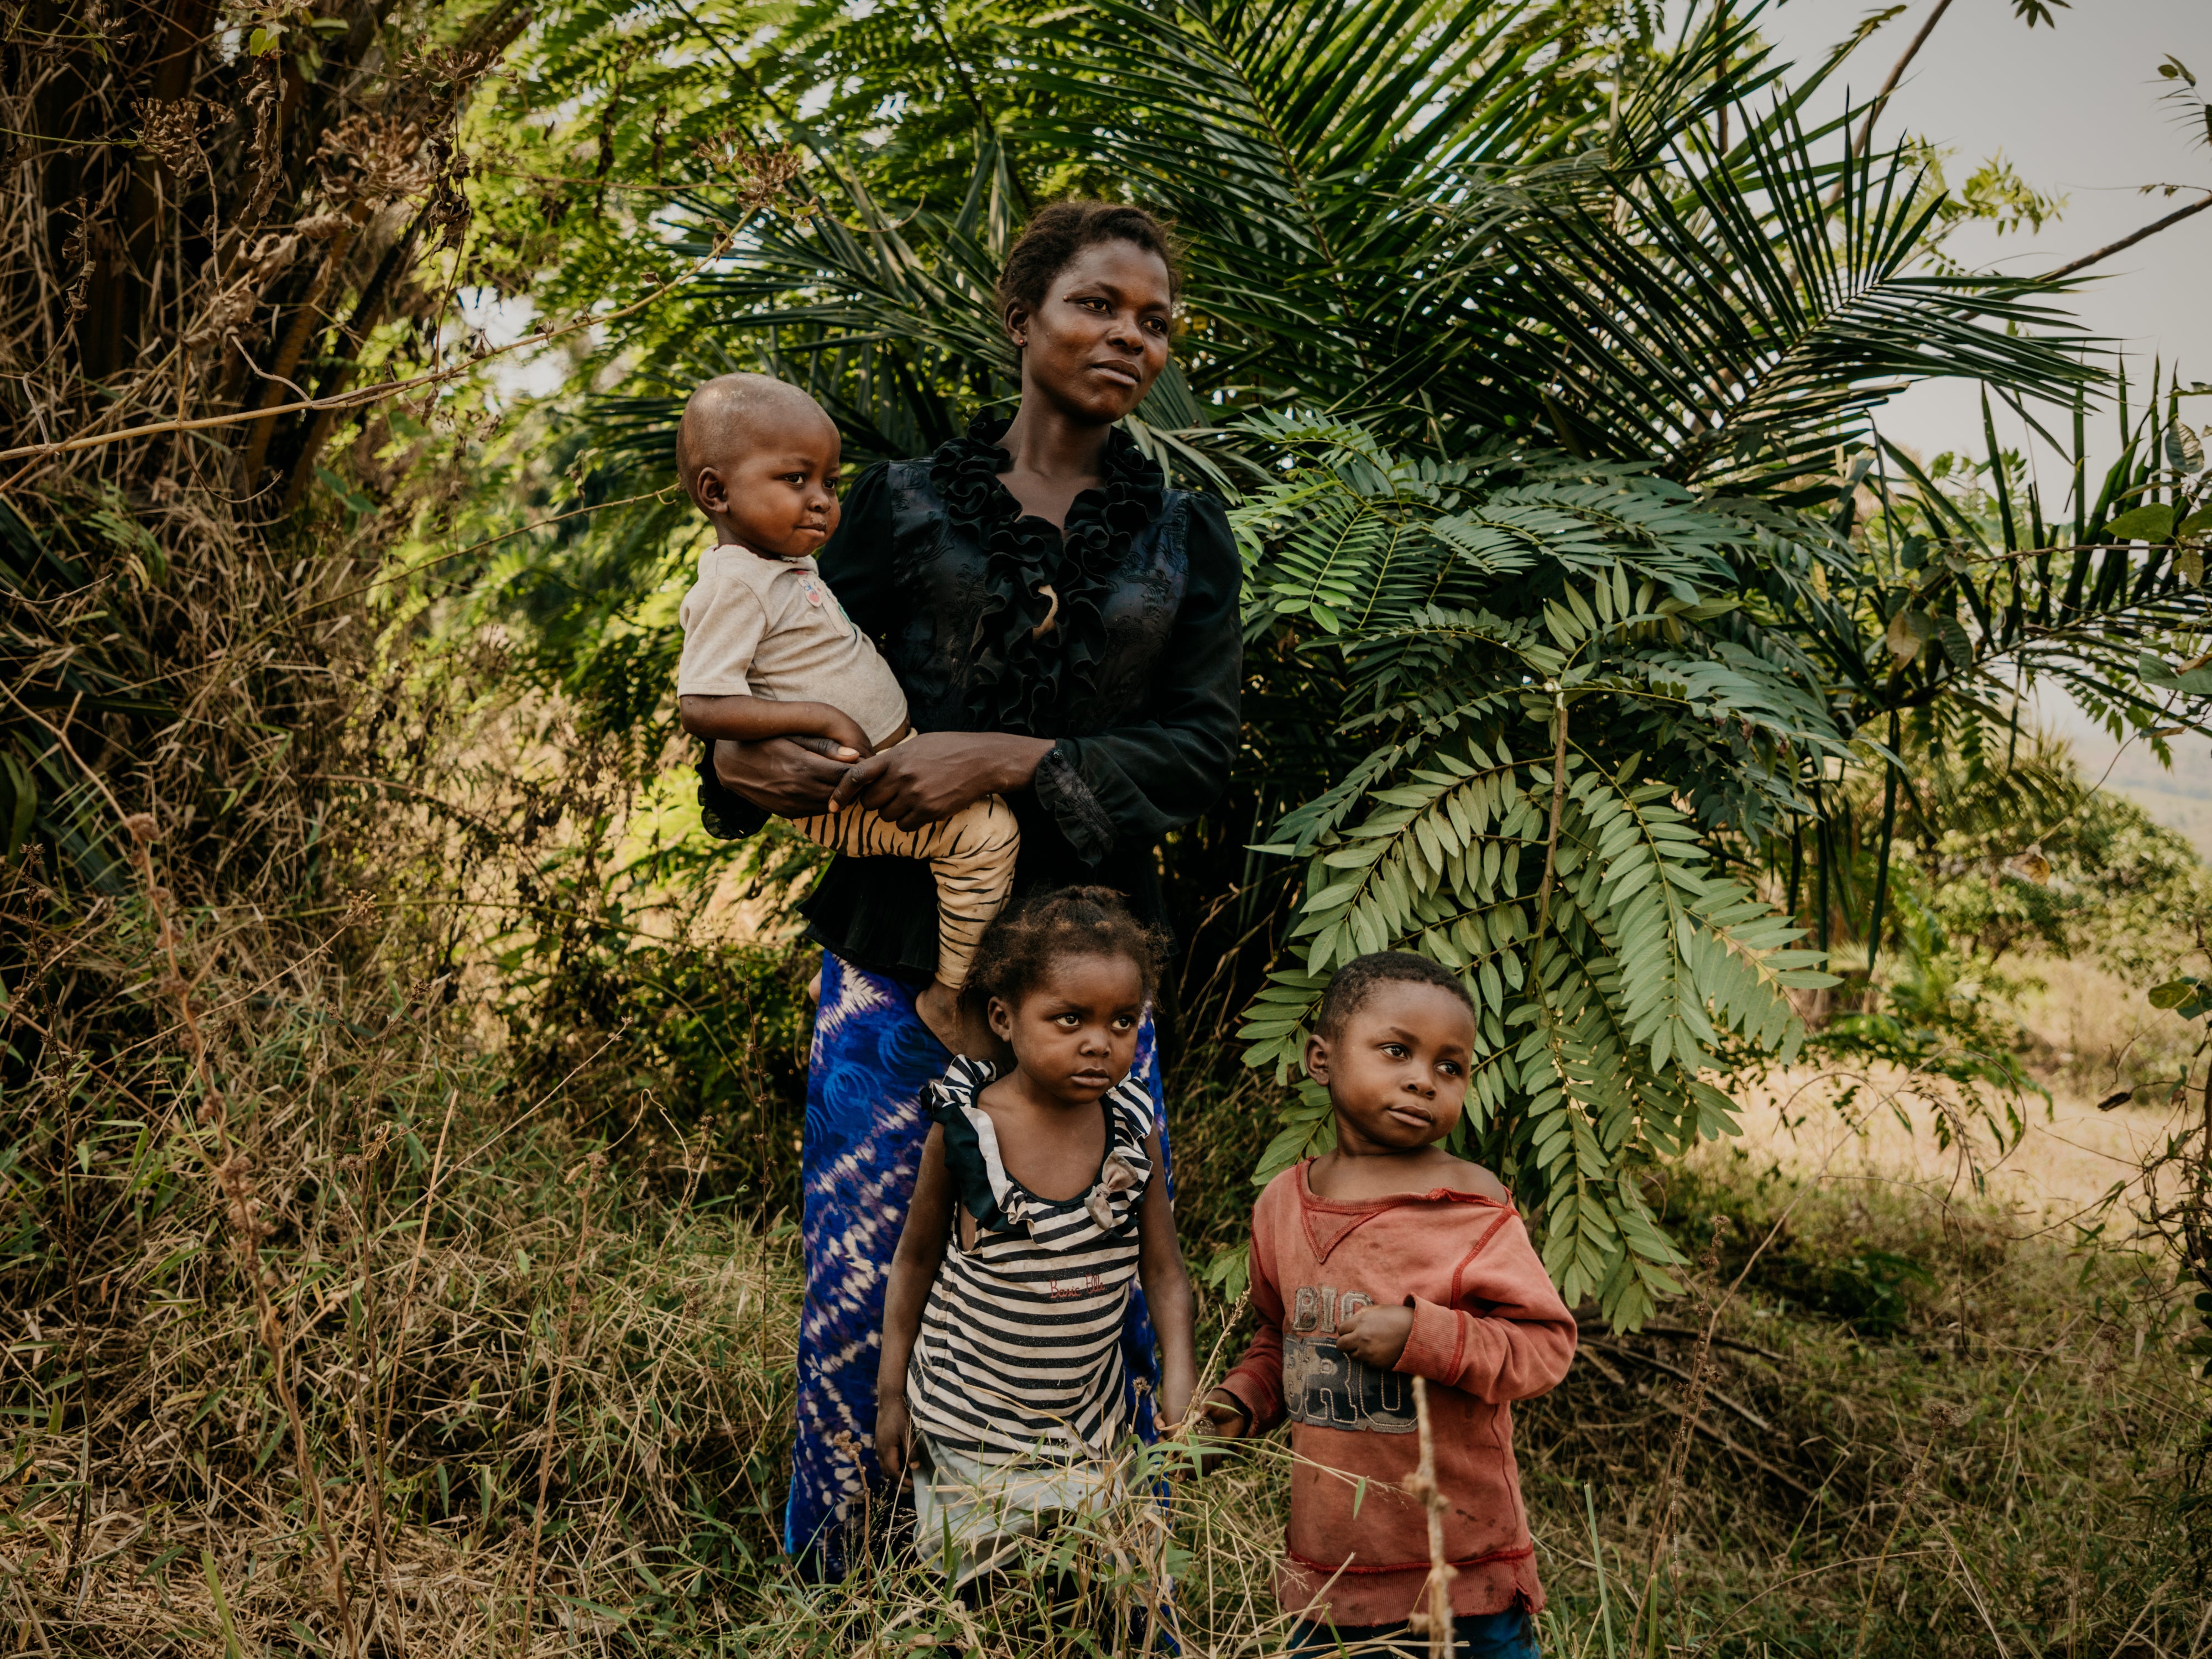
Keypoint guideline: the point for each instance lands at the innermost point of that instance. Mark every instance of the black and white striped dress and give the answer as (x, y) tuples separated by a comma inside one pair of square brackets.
[(1019, 1355)]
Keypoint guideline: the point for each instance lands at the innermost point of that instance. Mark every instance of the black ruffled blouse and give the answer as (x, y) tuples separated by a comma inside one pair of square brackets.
[(1137, 678)]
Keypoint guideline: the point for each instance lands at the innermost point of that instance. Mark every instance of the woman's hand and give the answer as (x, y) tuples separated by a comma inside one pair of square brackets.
[(930, 776), (1376, 1334), (787, 776), (893, 1429)]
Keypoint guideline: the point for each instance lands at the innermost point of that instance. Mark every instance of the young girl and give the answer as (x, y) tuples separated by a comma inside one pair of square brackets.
[(1002, 1388)]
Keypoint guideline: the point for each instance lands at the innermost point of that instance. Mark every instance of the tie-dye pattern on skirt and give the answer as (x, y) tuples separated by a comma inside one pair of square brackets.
[(865, 1130)]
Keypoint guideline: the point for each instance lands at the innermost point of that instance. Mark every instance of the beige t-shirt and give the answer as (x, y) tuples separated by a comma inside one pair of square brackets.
[(762, 627)]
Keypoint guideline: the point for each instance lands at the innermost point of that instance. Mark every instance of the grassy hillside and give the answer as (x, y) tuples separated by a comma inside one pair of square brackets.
[(2180, 797)]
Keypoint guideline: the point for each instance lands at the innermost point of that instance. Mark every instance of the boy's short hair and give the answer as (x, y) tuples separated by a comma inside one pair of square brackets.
[(731, 407), (1360, 979)]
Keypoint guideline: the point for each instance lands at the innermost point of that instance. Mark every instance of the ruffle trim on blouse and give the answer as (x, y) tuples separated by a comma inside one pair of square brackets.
[(980, 1181), (1017, 681)]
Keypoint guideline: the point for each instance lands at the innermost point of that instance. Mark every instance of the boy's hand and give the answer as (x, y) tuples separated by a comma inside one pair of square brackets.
[(1224, 1415), (1219, 1416), (853, 743), (1377, 1335), (892, 1431)]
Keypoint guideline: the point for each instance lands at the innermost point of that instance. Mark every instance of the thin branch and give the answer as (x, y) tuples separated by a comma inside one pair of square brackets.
[(369, 394), (2126, 242), (1558, 802), (1433, 1616), (1896, 74), (1882, 99)]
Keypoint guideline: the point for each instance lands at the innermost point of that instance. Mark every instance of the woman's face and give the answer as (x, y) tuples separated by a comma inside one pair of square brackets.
[(1100, 339)]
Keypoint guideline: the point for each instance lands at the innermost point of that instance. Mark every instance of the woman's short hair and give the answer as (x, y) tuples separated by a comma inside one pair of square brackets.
[(1063, 230), (1018, 949)]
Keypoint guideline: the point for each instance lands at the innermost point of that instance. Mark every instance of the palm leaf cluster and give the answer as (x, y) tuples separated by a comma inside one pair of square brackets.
[(1451, 221), (1547, 658), (1495, 219), (1968, 590)]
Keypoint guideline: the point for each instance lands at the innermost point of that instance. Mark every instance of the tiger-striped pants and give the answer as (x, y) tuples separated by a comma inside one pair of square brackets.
[(971, 854)]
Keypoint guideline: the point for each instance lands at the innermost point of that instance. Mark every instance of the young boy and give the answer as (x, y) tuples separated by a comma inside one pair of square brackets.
[(1385, 1259), (767, 652)]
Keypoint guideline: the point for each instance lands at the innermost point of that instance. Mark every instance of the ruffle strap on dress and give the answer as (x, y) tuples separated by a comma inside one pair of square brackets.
[(998, 1202)]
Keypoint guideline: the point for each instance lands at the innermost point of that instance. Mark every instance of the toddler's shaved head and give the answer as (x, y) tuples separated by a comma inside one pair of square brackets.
[(731, 414)]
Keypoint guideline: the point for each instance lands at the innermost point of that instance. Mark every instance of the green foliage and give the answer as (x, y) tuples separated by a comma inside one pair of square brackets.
[(2107, 879), (2190, 997), (1940, 1023), (693, 1051), (1965, 591), (1994, 194), (1872, 1280), (2191, 112), (2009, 848), (1519, 644), (1458, 223), (1598, 323), (1971, 588)]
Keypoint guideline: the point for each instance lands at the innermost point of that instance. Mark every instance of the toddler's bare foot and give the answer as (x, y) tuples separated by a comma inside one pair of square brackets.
[(940, 1008)]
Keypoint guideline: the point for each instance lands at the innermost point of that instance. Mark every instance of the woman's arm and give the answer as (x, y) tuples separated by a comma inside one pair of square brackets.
[(1135, 782), (1167, 1293), (915, 1265)]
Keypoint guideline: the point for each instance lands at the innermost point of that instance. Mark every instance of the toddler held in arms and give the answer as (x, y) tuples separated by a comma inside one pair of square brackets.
[(1382, 1261), (1002, 1390), (769, 653)]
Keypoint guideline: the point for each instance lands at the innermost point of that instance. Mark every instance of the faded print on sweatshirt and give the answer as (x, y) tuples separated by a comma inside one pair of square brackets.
[(1326, 1387)]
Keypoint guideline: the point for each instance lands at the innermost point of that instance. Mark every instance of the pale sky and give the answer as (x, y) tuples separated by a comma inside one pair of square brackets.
[(2076, 110)]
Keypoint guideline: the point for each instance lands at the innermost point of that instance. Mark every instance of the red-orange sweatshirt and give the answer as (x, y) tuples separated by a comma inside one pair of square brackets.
[(1487, 1326)]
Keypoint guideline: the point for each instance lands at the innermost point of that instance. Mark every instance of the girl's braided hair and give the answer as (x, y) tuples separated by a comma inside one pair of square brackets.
[(1020, 947), (1063, 230)]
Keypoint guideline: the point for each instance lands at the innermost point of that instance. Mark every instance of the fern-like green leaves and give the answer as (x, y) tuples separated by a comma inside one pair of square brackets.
[(1467, 610)]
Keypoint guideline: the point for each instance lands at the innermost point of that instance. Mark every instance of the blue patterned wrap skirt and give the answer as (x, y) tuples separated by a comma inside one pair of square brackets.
[(866, 1125)]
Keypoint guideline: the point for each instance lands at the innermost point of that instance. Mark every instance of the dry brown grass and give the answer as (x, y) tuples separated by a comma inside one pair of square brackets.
[(2091, 1033), (542, 1381), (1947, 1427), (2068, 1159)]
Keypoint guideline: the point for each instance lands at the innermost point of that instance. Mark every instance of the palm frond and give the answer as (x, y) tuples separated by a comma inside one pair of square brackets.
[(1729, 321)]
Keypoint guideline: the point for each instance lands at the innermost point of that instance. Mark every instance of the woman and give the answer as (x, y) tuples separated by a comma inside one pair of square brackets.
[(1066, 631)]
